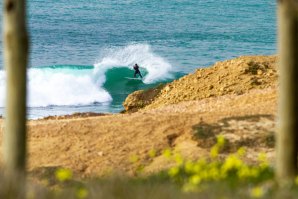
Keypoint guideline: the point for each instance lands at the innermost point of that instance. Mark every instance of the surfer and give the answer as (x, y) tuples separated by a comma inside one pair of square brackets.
[(137, 71)]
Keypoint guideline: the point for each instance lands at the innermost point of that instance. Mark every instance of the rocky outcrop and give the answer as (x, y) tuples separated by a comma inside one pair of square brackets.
[(235, 76), (140, 99)]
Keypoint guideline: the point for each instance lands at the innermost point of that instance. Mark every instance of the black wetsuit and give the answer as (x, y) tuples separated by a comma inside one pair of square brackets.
[(137, 71)]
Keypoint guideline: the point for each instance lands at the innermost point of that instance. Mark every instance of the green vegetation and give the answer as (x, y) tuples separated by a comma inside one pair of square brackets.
[(213, 177), (231, 171)]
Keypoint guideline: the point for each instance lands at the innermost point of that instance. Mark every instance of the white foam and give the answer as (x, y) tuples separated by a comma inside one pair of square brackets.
[(50, 87), (158, 68)]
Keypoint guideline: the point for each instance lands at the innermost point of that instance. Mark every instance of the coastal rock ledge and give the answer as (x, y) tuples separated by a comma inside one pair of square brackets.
[(236, 76)]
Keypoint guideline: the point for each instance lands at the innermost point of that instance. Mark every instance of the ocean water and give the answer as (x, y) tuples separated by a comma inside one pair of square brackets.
[(83, 50)]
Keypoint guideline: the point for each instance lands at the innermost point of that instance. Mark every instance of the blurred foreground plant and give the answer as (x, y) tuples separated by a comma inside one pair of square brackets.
[(232, 170)]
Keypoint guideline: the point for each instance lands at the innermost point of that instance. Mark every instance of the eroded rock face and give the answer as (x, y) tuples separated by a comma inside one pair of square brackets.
[(134, 101), (236, 76), (141, 98)]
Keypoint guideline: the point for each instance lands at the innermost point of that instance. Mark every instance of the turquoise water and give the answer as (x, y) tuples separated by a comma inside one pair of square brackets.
[(82, 50)]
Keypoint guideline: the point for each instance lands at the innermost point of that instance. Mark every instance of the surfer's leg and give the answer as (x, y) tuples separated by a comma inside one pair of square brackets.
[(140, 74), (134, 75)]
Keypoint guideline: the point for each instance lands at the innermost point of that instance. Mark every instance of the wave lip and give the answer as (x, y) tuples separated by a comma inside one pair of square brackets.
[(158, 69)]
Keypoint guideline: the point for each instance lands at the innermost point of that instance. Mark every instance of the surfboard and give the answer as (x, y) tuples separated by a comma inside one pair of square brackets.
[(134, 78)]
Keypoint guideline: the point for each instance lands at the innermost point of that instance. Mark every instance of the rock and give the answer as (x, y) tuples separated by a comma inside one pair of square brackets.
[(142, 98), (167, 88), (259, 72)]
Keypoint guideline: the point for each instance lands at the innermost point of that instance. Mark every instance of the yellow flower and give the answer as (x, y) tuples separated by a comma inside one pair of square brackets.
[(244, 172), (63, 174), (167, 153), (241, 151), (257, 192), (197, 167), (232, 162), (201, 162), (220, 140), (262, 157), (214, 151), (189, 167), (133, 159), (82, 193), (152, 153), (195, 180), (254, 172), (263, 162), (214, 173), (173, 171), (179, 159)]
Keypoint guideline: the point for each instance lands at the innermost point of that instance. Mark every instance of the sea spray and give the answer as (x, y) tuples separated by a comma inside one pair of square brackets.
[(158, 68)]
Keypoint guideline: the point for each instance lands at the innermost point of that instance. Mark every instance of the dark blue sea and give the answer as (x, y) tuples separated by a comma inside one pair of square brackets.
[(83, 50)]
